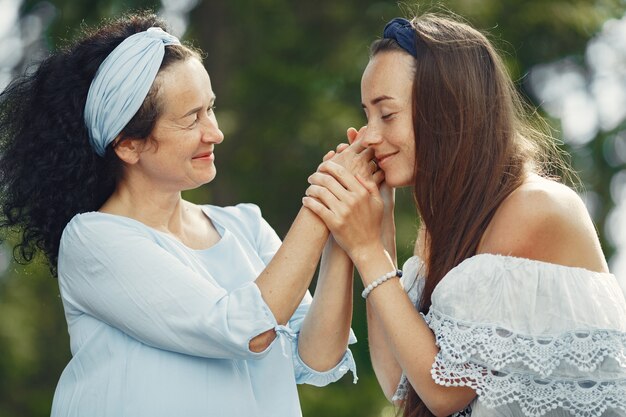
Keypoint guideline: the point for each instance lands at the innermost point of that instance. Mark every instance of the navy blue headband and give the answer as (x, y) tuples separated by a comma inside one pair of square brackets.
[(402, 31)]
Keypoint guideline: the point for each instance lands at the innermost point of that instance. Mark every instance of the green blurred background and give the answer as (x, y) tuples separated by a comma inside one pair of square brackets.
[(287, 76)]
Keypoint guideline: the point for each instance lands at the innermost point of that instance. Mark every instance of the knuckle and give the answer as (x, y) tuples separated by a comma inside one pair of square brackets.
[(324, 165), (344, 213), (324, 180)]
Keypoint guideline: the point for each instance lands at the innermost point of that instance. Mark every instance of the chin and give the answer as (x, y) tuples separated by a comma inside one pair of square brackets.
[(398, 178), (399, 182), (209, 176), (199, 182)]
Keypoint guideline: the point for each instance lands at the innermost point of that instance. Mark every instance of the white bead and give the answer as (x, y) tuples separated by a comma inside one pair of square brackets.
[(368, 289)]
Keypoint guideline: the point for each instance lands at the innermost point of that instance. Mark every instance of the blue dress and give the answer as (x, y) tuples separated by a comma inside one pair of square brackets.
[(159, 329)]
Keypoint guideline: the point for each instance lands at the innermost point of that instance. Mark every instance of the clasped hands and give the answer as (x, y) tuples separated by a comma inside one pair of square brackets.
[(344, 193)]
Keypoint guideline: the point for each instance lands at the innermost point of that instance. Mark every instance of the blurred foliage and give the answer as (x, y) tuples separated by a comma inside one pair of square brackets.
[(287, 76)]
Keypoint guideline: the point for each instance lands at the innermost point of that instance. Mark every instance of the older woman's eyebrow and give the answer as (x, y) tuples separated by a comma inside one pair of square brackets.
[(197, 109)]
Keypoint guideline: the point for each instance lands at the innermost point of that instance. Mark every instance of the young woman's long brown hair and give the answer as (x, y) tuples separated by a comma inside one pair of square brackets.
[(472, 145)]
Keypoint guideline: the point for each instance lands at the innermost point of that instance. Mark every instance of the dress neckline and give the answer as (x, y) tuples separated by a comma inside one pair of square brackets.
[(528, 261), (221, 230), (486, 257)]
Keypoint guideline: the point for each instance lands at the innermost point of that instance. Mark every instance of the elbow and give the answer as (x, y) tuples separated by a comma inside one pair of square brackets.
[(261, 342), (390, 391), (442, 411), (443, 407)]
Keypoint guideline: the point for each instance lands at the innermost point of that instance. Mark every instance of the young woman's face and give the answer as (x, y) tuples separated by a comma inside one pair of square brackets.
[(386, 94), (186, 131)]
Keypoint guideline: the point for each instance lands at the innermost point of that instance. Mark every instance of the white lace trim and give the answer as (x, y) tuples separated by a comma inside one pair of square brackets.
[(499, 347), (403, 390), (531, 385), (535, 397)]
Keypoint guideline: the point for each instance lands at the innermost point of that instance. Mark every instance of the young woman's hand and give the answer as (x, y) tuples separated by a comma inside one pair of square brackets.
[(387, 193), (350, 205)]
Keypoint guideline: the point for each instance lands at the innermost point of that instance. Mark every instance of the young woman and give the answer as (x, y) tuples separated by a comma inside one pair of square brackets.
[(511, 309), (173, 309)]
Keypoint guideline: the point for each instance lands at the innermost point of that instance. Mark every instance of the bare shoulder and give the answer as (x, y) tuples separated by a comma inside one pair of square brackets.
[(547, 221)]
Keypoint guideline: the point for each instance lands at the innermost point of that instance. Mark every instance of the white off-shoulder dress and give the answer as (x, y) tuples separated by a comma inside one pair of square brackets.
[(532, 338)]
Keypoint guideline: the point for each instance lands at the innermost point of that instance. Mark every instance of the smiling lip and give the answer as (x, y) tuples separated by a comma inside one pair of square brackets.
[(207, 156), (380, 160)]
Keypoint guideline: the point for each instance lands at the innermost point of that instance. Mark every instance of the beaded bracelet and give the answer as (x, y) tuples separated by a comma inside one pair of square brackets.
[(387, 276)]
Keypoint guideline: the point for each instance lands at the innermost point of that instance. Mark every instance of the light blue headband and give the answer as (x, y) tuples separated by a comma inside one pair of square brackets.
[(122, 83)]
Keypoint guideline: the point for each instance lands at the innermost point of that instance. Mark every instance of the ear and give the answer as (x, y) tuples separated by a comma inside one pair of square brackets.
[(128, 149)]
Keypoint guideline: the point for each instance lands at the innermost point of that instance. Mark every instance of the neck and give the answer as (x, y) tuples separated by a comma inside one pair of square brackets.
[(160, 209)]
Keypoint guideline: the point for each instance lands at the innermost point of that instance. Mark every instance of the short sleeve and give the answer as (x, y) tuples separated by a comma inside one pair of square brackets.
[(413, 278), (115, 272)]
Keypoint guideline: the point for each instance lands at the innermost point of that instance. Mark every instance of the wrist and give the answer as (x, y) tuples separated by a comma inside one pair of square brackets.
[(373, 263), (379, 281), (363, 254)]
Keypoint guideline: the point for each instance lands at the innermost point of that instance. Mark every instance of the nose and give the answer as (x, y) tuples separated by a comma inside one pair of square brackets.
[(371, 136), (211, 132)]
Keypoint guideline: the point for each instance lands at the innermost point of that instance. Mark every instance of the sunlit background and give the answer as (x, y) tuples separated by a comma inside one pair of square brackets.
[(287, 78), (587, 95)]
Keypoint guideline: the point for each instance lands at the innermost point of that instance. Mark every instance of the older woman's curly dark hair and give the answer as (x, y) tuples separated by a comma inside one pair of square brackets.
[(48, 170)]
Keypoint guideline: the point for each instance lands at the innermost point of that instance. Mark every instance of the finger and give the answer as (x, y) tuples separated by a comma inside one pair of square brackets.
[(373, 165), (328, 155), (358, 142), (367, 153), (319, 209), (352, 134), (378, 177), (342, 147), (357, 146), (325, 197), (329, 183), (370, 186), (342, 175)]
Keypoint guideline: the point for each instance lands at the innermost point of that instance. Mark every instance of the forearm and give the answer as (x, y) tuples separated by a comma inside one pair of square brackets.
[(411, 341), (326, 327), (287, 277), (386, 367)]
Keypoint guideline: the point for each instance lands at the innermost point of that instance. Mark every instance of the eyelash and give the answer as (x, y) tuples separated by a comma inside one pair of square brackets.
[(210, 110), (387, 116)]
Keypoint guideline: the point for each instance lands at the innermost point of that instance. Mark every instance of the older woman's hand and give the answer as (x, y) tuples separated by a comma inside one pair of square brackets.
[(354, 157)]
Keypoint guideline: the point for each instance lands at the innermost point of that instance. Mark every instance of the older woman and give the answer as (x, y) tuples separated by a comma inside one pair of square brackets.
[(173, 309)]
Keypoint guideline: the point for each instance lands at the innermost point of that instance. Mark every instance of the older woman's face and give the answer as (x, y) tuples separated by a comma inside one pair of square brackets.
[(186, 131), (386, 94)]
